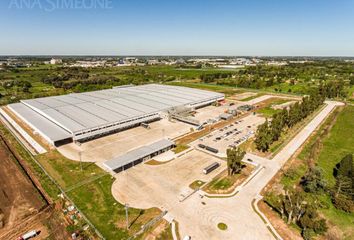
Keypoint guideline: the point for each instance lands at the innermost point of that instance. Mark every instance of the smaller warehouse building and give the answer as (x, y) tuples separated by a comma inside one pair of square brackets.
[(138, 155), (226, 116)]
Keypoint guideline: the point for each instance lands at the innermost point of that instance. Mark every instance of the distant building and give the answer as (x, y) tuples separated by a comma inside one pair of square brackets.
[(153, 62), (55, 61)]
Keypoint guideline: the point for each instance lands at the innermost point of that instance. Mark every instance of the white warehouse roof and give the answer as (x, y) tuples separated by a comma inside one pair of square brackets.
[(84, 115), (138, 153)]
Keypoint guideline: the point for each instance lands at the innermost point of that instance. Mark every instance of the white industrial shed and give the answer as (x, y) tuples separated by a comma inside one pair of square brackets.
[(83, 116), (136, 156)]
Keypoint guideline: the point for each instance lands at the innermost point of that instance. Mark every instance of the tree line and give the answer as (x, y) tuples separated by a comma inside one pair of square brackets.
[(211, 77), (295, 208), (270, 131), (343, 191)]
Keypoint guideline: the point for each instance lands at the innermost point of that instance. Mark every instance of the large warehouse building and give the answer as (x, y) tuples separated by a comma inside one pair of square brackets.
[(83, 116)]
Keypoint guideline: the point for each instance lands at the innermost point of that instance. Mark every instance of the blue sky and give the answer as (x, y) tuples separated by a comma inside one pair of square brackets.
[(183, 27)]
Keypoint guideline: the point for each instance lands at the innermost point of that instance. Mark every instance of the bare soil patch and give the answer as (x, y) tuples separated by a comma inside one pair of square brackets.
[(282, 228), (18, 197)]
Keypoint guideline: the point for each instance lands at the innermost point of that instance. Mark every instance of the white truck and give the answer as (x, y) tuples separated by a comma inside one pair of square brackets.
[(28, 235)]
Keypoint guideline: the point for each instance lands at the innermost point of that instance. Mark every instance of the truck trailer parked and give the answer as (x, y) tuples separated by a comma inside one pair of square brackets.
[(28, 235), (211, 168)]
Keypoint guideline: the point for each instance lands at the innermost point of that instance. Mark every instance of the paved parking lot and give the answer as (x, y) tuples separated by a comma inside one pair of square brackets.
[(145, 186), (231, 135)]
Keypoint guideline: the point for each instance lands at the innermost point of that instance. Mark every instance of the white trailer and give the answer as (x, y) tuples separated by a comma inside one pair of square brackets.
[(28, 235)]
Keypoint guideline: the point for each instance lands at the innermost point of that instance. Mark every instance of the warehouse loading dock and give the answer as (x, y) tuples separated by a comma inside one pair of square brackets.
[(86, 116), (138, 155)]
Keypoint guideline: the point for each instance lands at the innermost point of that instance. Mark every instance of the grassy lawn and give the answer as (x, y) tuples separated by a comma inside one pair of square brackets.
[(267, 110), (196, 184), (339, 142), (222, 226), (166, 234), (252, 97), (154, 162), (66, 172), (180, 148), (99, 206), (227, 90), (223, 184), (298, 88), (90, 190)]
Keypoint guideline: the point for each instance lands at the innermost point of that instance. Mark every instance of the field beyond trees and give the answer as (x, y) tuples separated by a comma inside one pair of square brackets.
[(42, 80), (310, 176)]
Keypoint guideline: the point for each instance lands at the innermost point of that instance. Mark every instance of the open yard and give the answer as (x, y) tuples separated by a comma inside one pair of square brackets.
[(114, 145), (165, 183)]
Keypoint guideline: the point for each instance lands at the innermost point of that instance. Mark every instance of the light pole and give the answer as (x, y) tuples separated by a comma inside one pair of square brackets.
[(80, 159), (126, 214)]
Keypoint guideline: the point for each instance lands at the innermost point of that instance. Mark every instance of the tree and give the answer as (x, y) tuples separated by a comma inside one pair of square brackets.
[(234, 158), (343, 173), (277, 126), (313, 180), (343, 192), (311, 221), (263, 137), (351, 80), (295, 208), (344, 167)]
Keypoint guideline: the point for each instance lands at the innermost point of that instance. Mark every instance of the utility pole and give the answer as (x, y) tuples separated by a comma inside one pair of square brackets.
[(126, 214), (80, 159)]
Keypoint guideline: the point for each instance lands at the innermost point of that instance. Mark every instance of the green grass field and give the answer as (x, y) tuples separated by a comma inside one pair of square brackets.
[(339, 142), (335, 142), (227, 90), (268, 111), (180, 148)]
